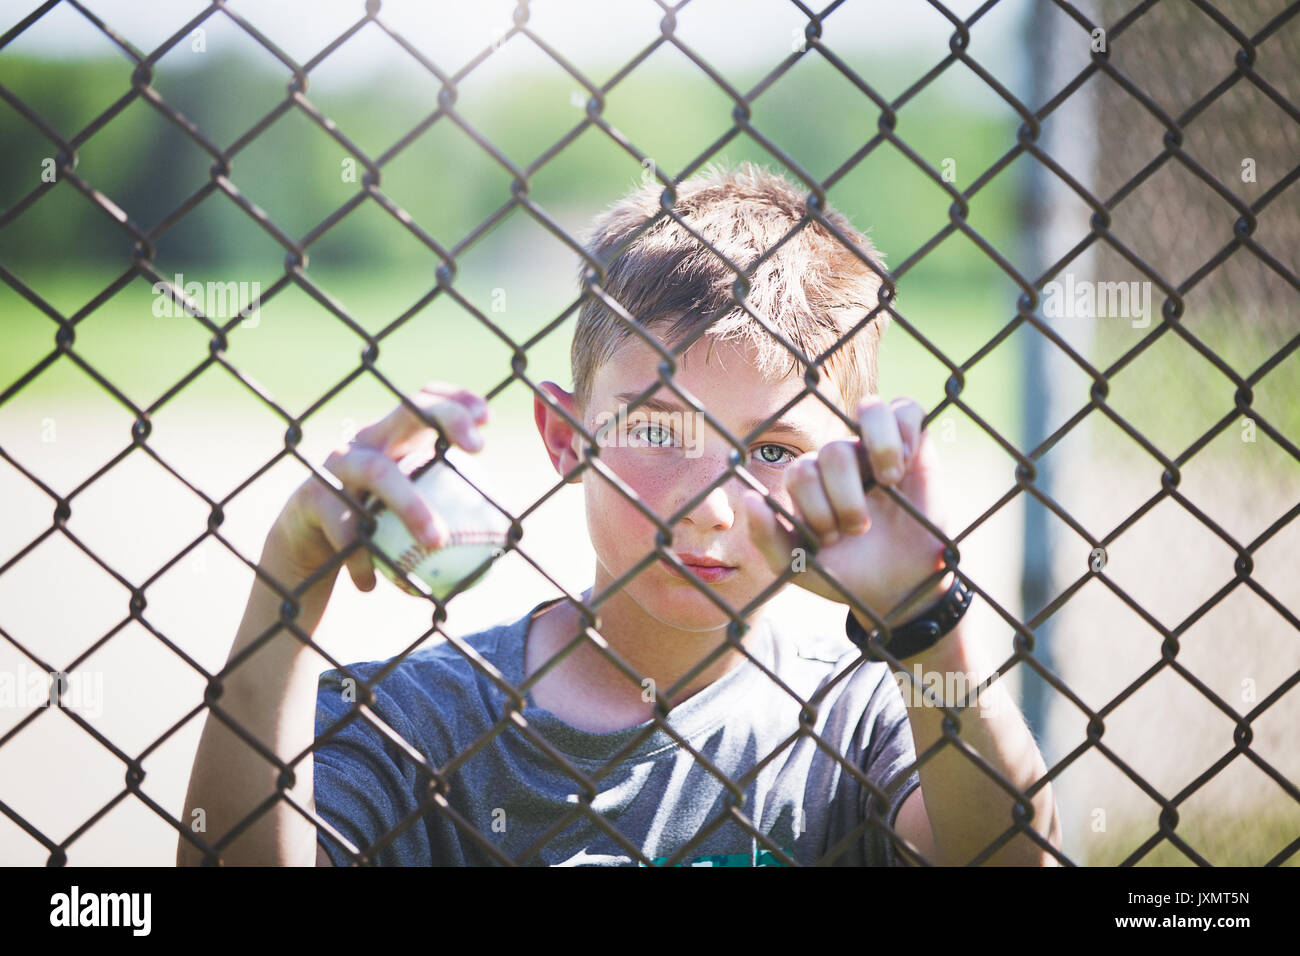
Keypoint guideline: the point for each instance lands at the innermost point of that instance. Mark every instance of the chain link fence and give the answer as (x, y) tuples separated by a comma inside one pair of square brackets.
[(1181, 133), (1142, 220)]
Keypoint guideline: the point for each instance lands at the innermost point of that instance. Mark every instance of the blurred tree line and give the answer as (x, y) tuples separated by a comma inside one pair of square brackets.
[(299, 174)]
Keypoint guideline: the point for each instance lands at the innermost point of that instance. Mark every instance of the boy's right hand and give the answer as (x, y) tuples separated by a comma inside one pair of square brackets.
[(317, 523)]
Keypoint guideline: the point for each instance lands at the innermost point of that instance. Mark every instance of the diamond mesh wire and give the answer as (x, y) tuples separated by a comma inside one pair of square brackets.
[(1132, 85)]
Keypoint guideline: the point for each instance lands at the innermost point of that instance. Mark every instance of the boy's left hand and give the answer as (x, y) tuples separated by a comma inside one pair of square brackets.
[(874, 549)]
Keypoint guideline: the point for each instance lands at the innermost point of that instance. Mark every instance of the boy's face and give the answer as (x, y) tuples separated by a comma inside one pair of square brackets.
[(668, 454)]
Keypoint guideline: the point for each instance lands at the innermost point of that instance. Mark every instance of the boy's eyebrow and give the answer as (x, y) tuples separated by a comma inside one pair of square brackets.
[(668, 407)]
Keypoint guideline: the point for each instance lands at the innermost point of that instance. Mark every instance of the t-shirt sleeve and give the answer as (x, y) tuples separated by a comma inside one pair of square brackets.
[(362, 784), (887, 763)]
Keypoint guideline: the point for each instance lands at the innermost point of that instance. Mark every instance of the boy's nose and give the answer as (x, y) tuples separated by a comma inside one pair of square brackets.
[(715, 511)]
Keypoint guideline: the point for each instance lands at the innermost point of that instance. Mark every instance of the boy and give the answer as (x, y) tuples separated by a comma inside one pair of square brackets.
[(778, 744)]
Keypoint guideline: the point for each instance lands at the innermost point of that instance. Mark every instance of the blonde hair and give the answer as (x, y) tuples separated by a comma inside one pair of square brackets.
[(812, 290)]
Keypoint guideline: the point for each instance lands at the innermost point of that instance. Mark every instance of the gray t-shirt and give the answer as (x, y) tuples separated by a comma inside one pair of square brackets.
[(657, 795)]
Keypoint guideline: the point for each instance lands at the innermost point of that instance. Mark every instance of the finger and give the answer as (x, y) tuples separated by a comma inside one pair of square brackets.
[(415, 451), (774, 542), (339, 525), (455, 412), (363, 469), (809, 497), (881, 441), (841, 477), (475, 402), (438, 400), (451, 417), (911, 422), (455, 421)]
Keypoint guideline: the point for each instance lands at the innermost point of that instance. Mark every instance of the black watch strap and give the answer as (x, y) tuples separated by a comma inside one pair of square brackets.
[(926, 630)]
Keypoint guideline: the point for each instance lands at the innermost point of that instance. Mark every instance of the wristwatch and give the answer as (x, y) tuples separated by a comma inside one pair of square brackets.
[(925, 630)]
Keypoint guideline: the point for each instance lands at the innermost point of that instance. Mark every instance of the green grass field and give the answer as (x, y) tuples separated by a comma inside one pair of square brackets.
[(299, 349)]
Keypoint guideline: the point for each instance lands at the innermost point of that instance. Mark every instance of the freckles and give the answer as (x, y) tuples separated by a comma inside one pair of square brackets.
[(617, 525), (650, 481), (653, 490), (628, 521)]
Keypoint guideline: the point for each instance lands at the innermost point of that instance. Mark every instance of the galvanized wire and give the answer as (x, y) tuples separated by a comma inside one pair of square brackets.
[(1175, 278)]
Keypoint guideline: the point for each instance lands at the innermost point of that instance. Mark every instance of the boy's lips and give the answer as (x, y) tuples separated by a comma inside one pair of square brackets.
[(707, 569)]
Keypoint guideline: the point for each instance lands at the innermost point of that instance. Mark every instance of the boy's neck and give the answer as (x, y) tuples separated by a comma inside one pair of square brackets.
[(590, 692)]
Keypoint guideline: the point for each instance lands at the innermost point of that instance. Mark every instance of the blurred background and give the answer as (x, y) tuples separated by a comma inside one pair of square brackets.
[(63, 253)]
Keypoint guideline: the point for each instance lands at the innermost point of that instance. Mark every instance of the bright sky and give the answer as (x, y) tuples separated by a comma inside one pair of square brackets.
[(598, 35)]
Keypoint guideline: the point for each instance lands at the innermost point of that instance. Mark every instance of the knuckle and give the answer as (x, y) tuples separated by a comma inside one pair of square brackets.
[(887, 455), (820, 520), (803, 471), (374, 469), (462, 427), (839, 454), (467, 398), (446, 416), (869, 404), (854, 514)]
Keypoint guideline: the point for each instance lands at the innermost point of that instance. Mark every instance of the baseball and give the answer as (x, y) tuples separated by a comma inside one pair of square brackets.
[(478, 534)]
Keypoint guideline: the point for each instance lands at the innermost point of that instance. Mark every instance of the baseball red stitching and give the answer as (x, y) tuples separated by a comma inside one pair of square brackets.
[(416, 552)]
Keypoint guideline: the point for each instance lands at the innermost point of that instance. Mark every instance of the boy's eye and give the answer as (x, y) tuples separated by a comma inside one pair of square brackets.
[(654, 435), (775, 454)]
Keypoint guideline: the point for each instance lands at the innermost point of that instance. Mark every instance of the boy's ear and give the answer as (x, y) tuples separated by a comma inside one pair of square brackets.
[(559, 437)]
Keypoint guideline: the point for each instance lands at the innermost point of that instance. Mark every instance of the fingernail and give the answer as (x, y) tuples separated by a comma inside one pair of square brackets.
[(890, 475), (431, 536)]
